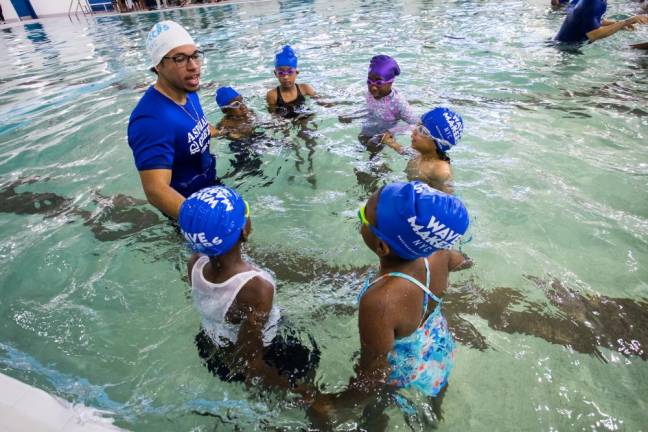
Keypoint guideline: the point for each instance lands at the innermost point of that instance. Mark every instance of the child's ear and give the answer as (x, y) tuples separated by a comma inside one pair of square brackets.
[(247, 229), (382, 248)]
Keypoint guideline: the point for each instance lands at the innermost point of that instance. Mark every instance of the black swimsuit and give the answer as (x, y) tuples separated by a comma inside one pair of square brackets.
[(287, 109)]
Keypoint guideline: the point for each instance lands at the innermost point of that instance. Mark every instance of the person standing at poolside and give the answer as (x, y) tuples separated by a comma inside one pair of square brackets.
[(584, 23), (168, 131)]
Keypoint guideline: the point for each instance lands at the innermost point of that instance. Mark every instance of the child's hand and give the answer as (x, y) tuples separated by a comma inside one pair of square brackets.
[(389, 140)]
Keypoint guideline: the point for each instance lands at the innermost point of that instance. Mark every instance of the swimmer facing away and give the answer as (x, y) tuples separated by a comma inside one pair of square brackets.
[(437, 132), (239, 339), (405, 341), (288, 97)]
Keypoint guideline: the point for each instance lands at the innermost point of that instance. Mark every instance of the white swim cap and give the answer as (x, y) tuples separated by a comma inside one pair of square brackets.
[(165, 36)]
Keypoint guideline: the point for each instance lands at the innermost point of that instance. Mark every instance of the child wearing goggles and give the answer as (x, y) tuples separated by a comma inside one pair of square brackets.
[(238, 121), (386, 107), (438, 131), (405, 342), (287, 98)]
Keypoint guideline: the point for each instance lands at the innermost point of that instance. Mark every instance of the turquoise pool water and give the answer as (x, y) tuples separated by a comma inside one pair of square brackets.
[(553, 166)]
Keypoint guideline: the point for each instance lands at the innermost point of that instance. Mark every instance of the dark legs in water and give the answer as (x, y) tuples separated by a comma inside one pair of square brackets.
[(370, 177), (129, 214)]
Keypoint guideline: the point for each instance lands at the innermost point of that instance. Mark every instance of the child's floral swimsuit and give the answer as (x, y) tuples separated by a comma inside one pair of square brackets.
[(384, 114), (424, 359)]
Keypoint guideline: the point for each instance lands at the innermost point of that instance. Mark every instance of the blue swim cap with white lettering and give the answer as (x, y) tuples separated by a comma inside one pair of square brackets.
[(416, 220), (212, 219), (445, 125), (225, 95)]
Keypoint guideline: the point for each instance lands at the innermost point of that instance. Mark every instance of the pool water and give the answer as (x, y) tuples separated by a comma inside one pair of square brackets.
[(551, 321)]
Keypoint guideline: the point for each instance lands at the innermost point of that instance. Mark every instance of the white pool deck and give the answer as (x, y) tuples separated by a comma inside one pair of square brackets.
[(24, 408)]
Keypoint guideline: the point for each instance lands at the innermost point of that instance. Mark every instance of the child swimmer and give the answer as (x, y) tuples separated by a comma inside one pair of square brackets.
[(288, 97), (439, 130), (239, 337), (385, 105), (405, 341), (238, 121)]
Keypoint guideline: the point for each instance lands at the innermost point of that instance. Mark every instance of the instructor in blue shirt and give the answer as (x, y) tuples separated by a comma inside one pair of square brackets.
[(168, 131), (584, 22)]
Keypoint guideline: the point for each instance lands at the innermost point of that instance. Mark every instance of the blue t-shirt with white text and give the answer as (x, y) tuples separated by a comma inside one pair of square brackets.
[(164, 135), (580, 20)]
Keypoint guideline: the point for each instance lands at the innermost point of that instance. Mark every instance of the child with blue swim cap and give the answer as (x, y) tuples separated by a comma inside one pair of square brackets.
[(238, 121), (405, 341), (288, 97), (239, 339), (439, 130)]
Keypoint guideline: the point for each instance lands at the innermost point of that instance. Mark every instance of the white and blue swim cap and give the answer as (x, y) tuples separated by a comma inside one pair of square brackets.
[(212, 219), (445, 126), (416, 220), (165, 36)]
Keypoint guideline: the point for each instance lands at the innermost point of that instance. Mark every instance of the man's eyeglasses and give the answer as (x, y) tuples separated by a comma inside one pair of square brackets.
[(379, 82), (183, 59), (285, 72), (233, 105)]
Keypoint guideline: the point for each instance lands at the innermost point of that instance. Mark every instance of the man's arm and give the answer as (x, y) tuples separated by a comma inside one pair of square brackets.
[(608, 30), (156, 184)]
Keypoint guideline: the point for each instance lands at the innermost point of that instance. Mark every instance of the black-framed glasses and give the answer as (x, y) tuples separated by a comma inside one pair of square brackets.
[(183, 59)]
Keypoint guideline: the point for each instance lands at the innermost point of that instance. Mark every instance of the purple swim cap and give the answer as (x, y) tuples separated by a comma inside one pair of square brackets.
[(416, 220), (384, 66)]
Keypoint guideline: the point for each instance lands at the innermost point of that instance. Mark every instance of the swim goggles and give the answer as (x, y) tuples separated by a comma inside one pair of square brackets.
[(379, 82), (441, 143), (362, 217), (247, 209), (234, 105), (422, 130), (364, 221), (285, 72)]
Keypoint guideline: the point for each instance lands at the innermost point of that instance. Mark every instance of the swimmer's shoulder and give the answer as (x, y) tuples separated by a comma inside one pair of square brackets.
[(307, 90), (256, 295), (191, 262), (271, 96), (438, 170)]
